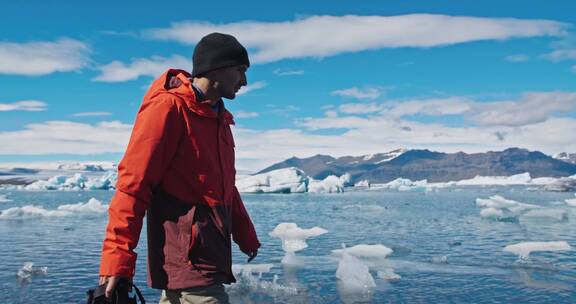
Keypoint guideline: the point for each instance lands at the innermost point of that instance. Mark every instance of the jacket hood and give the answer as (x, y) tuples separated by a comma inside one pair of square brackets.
[(177, 82)]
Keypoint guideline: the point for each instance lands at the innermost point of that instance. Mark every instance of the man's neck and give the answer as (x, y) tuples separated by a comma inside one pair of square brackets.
[(203, 85)]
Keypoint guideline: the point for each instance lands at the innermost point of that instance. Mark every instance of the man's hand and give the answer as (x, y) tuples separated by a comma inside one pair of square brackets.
[(112, 283), (251, 254)]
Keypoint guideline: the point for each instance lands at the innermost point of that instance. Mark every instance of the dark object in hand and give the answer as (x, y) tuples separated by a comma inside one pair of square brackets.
[(120, 295)]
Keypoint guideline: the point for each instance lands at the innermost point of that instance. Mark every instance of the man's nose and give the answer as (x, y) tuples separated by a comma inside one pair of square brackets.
[(244, 80)]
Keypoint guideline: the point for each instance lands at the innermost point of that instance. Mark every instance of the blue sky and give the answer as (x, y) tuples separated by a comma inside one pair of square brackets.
[(329, 77)]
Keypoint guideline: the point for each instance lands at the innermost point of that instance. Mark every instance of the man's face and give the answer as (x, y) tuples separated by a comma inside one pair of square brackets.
[(227, 81)]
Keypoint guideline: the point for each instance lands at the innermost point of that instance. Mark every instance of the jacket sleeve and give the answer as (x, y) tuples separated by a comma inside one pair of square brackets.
[(243, 231), (153, 143)]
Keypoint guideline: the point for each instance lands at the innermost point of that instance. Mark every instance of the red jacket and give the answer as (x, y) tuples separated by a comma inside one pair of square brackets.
[(179, 170)]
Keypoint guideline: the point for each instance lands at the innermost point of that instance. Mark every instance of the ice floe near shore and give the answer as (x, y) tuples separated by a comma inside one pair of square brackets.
[(524, 249), (93, 206)]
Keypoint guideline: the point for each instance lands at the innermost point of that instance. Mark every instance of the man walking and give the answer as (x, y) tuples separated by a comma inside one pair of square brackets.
[(179, 170)]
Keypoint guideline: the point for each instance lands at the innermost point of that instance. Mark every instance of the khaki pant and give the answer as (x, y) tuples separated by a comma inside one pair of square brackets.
[(213, 294)]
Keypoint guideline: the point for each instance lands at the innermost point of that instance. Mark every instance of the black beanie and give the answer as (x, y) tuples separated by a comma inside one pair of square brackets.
[(215, 51)]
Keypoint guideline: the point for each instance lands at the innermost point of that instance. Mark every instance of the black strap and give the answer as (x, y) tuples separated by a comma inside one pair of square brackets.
[(139, 294)]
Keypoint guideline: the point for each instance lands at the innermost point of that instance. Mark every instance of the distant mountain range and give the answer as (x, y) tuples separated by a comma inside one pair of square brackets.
[(433, 166)]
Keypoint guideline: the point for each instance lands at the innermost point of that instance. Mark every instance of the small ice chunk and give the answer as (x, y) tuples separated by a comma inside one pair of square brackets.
[(365, 251), (293, 237), (354, 274), (571, 202), (556, 214), (4, 199), (27, 271), (388, 274), (524, 249)]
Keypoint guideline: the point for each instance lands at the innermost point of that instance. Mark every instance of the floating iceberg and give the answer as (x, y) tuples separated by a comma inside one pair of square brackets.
[(331, 184), (82, 167), (518, 179), (27, 271), (403, 184), (501, 209), (76, 182), (288, 180), (564, 184), (524, 249), (294, 239), (364, 251), (31, 211), (4, 199), (362, 184), (353, 273), (549, 183)]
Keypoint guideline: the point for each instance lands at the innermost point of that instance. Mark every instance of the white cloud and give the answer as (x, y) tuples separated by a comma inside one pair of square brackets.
[(531, 108), (561, 54), (364, 93), (244, 114), (360, 108), (117, 71), (65, 137), (43, 57), (517, 58), (273, 41), (24, 105), (88, 114), (434, 107), (251, 87), (287, 72)]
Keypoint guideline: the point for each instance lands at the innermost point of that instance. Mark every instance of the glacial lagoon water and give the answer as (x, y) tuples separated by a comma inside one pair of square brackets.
[(443, 250)]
